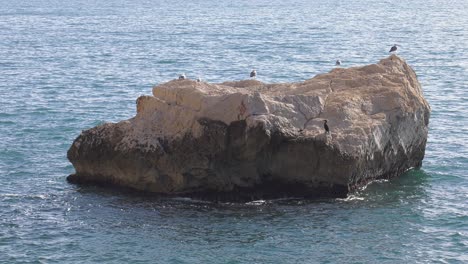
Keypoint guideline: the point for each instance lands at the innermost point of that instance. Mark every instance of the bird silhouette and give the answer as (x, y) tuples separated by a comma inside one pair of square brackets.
[(393, 48), (327, 129)]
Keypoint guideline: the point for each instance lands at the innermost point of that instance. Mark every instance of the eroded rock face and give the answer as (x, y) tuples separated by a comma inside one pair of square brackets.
[(250, 140)]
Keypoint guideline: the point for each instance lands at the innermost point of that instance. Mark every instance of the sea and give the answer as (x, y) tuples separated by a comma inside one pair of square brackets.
[(70, 65)]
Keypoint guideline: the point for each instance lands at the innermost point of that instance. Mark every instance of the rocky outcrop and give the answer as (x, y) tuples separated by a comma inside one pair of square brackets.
[(250, 140)]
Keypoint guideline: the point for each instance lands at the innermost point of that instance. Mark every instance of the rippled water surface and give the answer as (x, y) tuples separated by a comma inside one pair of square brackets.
[(70, 65)]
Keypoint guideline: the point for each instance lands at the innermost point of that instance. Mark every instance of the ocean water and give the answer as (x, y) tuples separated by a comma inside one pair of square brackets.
[(69, 65)]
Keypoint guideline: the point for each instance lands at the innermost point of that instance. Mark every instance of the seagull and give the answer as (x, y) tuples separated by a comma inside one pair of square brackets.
[(198, 79), (337, 63), (327, 130), (253, 73), (182, 76), (394, 48)]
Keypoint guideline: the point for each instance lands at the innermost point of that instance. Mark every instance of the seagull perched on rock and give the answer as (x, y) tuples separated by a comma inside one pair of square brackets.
[(393, 48), (327, 129), (253, 73), (182, 76), (337, 63), (198, 79)]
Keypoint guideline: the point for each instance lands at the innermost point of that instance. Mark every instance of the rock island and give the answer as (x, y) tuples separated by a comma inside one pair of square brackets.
[(248, 140)]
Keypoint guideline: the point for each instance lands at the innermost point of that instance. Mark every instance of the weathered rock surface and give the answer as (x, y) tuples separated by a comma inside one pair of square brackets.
[(248, 139)]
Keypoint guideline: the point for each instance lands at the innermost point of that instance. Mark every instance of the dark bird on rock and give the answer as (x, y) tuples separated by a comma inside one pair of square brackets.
[(327, 129), (338, 63), (253, 73), (393, 48)]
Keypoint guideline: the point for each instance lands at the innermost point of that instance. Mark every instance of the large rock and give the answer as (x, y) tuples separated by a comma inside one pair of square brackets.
[(248, 139)]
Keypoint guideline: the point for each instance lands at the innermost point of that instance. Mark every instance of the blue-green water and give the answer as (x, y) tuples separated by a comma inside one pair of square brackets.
[(70, 65)]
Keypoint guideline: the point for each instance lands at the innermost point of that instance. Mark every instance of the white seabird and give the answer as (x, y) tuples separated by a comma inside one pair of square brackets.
[(253, 73), (182, 76)]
